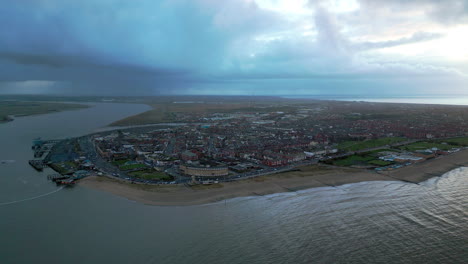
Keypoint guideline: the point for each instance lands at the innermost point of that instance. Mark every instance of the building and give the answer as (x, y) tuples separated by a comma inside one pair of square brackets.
[(203, 174), (204, 171)]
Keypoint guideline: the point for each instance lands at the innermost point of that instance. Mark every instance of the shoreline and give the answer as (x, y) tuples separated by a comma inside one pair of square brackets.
[(61, 106), (307, 177)]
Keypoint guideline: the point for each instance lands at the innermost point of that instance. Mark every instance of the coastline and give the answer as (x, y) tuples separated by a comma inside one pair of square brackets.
[(304, 178), (8, 113)]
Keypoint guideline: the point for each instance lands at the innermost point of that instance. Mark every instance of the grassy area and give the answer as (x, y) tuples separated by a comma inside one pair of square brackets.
[(426, 145), (380, 163), (120, 162), (375, 152), (463, 141), (361, 145), (365, 159), (132, 167), (168, 112), (354, 160), (64, 167), (18, 108), (151, 175)]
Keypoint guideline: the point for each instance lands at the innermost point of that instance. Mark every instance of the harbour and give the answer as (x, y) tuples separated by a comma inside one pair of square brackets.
[(46, 147)]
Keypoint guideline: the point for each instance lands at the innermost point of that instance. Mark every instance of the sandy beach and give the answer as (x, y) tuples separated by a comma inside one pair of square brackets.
[(304, 178)]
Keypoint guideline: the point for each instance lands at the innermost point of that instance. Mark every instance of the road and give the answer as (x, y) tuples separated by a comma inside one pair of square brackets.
[(88, 146)]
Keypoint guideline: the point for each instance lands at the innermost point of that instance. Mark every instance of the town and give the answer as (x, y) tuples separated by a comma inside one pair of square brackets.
[(212, 147)]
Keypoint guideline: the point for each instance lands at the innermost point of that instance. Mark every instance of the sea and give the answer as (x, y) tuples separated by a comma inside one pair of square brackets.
[(367, 222), (416, 99)]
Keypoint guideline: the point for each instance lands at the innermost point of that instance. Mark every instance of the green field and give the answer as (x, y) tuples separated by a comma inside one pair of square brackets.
[(66, 167), (463, 141), (361, 145), (365, 159), (132, 167), (375, 152), (353, 160), (379, 162), (357, 160), (18, 108), (127, 164), (120, 162), (151, 175), (425, 145), (168, 112)]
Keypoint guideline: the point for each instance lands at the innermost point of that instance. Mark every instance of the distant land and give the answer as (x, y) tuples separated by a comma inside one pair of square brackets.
[(9, 109)]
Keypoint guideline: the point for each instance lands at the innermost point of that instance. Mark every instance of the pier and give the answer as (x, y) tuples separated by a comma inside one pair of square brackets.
[(62, 179)]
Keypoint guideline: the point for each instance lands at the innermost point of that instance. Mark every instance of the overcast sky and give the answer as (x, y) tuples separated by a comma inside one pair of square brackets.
[(251, 47)]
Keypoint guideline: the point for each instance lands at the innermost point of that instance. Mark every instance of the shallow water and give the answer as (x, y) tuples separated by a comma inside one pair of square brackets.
[(370, 222)]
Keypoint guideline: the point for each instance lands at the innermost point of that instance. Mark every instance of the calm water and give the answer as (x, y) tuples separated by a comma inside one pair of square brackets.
[(377, 222), (443, 100)]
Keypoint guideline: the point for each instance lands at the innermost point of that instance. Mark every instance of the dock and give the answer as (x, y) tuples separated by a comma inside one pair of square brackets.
[(40, 148), (62, 179), (68, 180), (44, 147)]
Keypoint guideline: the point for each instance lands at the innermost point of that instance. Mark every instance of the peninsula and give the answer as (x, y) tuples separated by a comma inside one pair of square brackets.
[(193, 152)]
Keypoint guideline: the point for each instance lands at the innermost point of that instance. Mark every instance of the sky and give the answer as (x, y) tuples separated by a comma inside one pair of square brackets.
[(234, 47)]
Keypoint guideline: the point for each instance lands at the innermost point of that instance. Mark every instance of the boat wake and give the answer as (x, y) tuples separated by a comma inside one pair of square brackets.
[(6, 161), (32, 198)]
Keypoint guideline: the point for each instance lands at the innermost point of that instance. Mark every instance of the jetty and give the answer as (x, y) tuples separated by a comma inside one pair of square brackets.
[(59, 179), (67, 180)]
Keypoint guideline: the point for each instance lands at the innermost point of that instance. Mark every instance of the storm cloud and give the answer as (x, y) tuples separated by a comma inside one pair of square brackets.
[(231, 46)]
